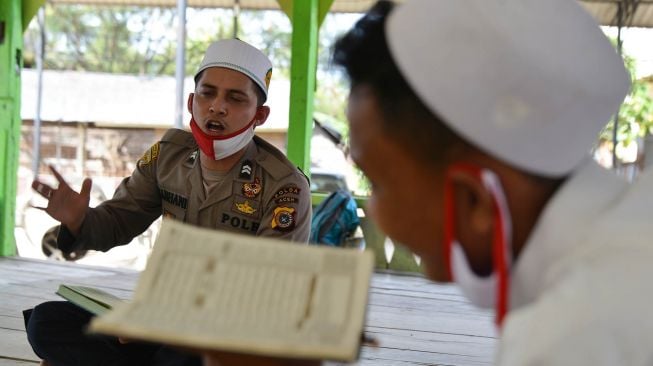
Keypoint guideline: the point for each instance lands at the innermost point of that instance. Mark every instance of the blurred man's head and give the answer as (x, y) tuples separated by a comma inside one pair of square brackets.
[(455, 102)]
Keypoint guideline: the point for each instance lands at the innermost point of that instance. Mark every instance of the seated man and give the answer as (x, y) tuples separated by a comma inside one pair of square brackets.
[(219, 176), (486, 111), (478, 116)]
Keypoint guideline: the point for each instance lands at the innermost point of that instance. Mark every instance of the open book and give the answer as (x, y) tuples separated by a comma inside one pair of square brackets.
[(208, 289), (91, 299)]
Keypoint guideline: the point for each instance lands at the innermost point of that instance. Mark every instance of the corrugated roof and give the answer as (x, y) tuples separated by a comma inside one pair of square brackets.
[(340, 6), (605, 11)]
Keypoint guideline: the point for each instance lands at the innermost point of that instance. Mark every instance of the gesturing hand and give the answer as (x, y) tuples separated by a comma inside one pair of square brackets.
[(64, 204)]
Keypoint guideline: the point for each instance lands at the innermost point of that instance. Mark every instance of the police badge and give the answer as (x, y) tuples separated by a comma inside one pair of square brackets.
[(283, 219)]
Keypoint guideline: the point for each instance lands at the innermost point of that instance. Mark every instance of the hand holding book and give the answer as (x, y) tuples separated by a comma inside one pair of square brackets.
[(211, 290)]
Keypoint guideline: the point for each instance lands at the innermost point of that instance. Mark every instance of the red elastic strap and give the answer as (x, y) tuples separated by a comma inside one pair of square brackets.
[(500, 263)]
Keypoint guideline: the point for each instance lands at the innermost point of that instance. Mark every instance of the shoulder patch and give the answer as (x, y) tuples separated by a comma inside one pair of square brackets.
[(286, 190), (283, 219), (150, 155)]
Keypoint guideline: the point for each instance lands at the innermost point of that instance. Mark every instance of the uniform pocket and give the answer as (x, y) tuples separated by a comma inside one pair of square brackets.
[(171, 211)]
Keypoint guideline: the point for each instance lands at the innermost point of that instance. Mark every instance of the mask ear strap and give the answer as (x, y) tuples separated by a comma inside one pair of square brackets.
[(449, 222), (502, 243)]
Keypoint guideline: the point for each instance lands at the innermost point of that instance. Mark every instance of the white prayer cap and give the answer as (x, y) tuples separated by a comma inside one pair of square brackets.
[(531, 82), (239, 56)]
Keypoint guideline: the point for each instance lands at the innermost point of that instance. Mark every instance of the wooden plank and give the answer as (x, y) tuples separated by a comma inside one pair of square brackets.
[(416, 321), (11, 362), (14, 345)]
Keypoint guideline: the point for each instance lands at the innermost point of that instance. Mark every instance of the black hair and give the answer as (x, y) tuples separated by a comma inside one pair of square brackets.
[(260, 95), (364, 54)]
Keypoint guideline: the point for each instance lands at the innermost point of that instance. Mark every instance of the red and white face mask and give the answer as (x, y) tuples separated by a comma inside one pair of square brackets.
[(493, 290), (220, 147)]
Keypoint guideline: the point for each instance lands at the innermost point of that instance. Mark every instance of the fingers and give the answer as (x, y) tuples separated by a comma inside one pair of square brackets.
[(42, 189), (56, 174), (86, 188), (37, 207)]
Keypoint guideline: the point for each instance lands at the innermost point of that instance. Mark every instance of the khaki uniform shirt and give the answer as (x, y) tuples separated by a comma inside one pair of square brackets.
[(263, 194)]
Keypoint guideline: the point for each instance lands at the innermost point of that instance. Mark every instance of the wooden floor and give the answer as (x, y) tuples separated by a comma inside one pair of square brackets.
[(415, 322)]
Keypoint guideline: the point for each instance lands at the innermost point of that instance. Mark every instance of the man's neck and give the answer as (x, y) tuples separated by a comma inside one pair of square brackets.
[(222, 165)]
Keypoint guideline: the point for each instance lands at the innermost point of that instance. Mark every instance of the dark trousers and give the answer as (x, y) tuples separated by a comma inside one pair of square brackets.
[(56, 332)]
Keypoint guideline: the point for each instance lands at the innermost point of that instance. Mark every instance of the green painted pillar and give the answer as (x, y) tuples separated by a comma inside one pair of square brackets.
[(11, 43), (306, 17), (14, 16)]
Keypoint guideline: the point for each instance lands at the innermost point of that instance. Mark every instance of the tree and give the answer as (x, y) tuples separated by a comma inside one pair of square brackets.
[(107, 39), (129, 40), (635, 114)]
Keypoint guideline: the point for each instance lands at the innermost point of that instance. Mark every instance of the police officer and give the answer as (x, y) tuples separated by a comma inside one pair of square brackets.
[(219, 175)]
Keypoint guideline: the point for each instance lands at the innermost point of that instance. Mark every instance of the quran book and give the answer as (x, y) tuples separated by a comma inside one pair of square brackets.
[(91, 299), (207, 289)]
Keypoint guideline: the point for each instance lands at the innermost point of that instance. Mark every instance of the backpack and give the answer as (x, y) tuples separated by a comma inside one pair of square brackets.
[(334, 219)]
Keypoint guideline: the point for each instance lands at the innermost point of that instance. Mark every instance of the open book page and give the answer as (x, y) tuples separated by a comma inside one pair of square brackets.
[(208, 289)]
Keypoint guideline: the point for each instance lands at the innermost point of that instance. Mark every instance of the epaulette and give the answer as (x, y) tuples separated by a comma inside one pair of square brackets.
[(275, 162), (179, 137)]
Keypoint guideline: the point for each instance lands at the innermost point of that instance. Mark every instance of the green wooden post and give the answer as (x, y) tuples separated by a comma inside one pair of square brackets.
[(14, 17), (11, 44), (302, 82), (306, 17)]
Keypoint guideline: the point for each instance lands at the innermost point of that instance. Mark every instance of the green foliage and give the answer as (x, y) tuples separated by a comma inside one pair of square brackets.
[(126, 40), (107, 39), (635, 114)]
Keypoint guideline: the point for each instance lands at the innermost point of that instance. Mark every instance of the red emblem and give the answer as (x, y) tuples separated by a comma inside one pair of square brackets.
[(252, 190)]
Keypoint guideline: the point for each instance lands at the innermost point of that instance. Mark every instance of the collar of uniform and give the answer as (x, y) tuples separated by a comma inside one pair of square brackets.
[(562, 229)]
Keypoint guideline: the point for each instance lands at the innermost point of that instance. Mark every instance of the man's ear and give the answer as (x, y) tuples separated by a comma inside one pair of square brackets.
[(261, 115), (189, 103), (474, 210)]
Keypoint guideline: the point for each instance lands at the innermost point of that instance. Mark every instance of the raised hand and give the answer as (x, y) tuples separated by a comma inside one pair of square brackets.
[(64, 204)]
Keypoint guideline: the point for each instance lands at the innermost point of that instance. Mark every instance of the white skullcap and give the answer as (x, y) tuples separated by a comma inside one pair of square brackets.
[(239, 56), (531, 82)]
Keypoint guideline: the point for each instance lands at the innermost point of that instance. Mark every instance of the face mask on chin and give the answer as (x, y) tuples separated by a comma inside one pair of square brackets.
[(220, 147), (492, 290)]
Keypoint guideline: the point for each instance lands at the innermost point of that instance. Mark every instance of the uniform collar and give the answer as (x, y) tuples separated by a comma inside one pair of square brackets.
[(226, 187), (563, 228)]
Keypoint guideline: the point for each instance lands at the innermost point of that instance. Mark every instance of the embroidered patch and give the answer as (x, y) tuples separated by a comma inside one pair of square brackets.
[(245, 208), (174, 198), (150, 155), (239, 223), (283, 219), (192, 157), (287, 190), (268, 76), (246, 170), (286, 199), (251, 190)]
